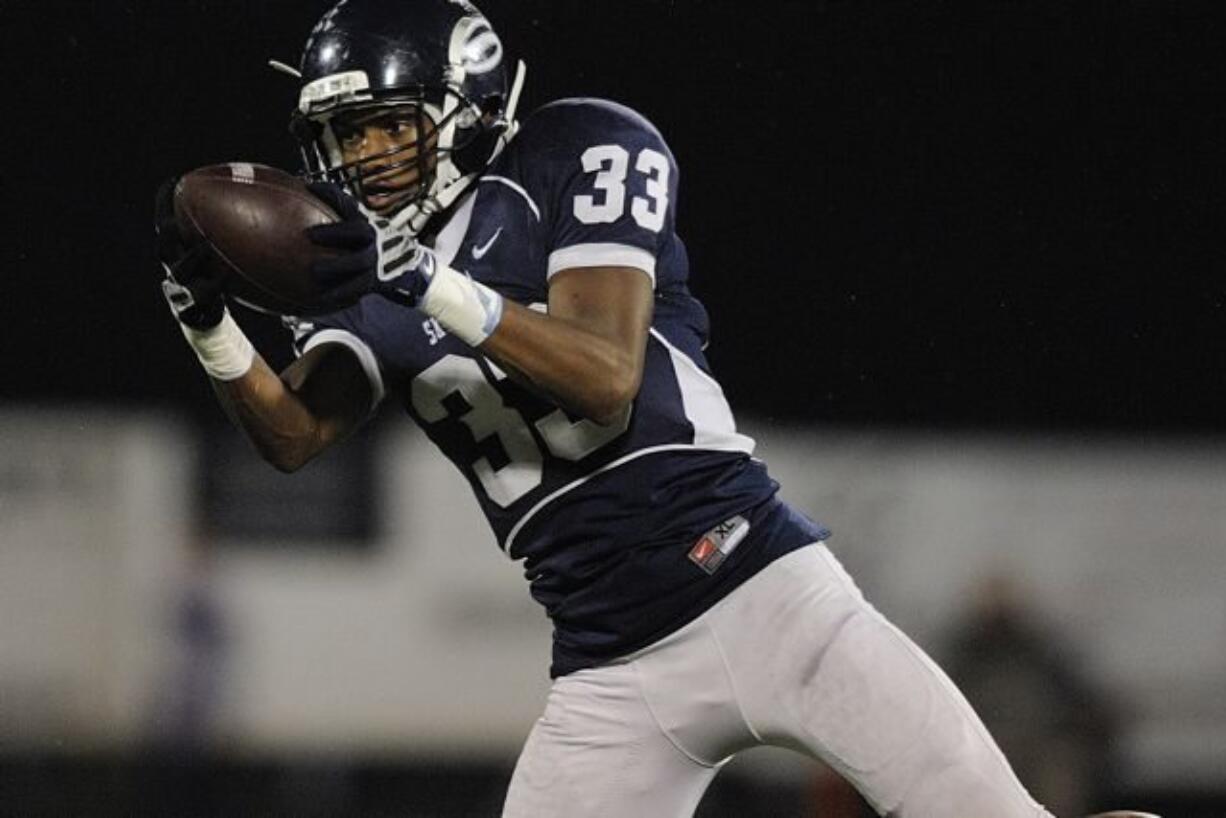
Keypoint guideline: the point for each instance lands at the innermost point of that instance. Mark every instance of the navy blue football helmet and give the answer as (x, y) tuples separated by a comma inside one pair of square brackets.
[(440, 60)]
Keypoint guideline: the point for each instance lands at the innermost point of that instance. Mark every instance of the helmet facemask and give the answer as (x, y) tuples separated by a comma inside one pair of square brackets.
[(462, 122), (446, 125)]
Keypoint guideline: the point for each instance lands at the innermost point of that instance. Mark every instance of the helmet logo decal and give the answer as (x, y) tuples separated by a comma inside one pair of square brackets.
[(482, 50)]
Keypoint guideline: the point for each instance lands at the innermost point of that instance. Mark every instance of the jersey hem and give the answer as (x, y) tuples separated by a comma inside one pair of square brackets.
[(774, 543)]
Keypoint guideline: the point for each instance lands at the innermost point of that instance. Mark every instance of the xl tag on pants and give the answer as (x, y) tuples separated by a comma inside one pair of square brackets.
[(714, 547)]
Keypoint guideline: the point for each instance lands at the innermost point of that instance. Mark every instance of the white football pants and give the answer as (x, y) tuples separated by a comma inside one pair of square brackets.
[(795, 658)]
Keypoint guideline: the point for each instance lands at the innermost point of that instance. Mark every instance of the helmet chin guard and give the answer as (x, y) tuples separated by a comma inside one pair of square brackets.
[(440, 58)]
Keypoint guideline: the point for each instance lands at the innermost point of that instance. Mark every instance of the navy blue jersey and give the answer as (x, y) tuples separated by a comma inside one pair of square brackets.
[(605, 518)]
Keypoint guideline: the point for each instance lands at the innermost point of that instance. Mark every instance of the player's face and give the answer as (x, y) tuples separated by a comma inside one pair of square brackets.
[(387, 143)]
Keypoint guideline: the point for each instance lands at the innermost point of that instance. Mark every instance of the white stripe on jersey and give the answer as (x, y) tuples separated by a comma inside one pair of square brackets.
[(705, 405), (669, 447), (515, 186), (706, 409), (602, 255)]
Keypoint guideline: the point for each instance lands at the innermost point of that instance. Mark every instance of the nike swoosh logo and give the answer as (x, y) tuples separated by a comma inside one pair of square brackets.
[(481, 250)]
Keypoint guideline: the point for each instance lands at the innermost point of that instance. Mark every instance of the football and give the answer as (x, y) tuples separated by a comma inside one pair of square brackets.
[(253, 217)]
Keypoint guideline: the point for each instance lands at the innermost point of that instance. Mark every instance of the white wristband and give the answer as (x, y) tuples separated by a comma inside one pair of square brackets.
[(466, 308), (223, 350)]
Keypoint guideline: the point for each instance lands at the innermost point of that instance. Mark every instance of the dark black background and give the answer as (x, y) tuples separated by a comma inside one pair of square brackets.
[(980, 214)]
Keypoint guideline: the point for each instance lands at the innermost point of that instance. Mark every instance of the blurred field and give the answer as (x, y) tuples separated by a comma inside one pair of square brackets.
[(161, 656)]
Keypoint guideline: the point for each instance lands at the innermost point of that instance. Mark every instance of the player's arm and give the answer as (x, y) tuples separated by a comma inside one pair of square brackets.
[(587, 353), (607, 182), (290, 418)]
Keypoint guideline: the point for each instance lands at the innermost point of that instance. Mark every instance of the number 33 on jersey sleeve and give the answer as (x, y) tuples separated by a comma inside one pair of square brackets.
[(610, 182)]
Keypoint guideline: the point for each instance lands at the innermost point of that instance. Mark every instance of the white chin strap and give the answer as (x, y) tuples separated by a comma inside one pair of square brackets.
[(508, 115)]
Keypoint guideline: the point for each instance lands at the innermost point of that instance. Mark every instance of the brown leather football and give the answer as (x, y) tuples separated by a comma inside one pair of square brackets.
[(254, 218)]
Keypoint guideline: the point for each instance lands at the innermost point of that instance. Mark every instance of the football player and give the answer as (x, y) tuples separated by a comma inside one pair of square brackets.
[(520, 289)]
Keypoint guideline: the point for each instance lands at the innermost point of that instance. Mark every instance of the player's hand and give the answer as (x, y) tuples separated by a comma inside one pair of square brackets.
[(191, 286), (372, 257)]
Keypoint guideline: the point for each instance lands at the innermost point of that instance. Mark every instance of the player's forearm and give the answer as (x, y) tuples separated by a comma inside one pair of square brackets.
[(586, 354), (290, 417), (280, 424), (274, 418), (576, 367)]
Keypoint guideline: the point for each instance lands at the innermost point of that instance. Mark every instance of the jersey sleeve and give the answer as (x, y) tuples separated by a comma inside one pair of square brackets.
[(608, 183), (351, 328)]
